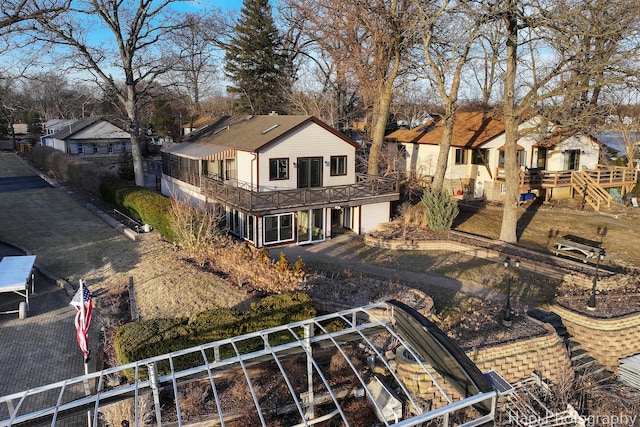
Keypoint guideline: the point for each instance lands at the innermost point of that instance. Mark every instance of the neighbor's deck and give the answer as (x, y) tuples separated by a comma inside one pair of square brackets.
[(605, 176)]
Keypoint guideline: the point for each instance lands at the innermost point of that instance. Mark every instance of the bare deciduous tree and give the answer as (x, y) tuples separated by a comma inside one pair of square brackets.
[(368, 40), (198, 46), (448, 30), (15, 12), (544, 62), (135, 48)]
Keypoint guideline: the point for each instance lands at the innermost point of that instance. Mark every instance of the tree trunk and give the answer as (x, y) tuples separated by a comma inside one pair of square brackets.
[(512, 171), (134, 130), (381, 115), (443, 152)]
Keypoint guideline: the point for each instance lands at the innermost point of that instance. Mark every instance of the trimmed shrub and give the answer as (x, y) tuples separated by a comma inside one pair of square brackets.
[(140, 204), (149, 338), (440, 209)]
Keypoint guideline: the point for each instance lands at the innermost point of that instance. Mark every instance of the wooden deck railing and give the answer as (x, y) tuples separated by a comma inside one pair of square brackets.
[(605, 176), (593, 193), (366, 188)]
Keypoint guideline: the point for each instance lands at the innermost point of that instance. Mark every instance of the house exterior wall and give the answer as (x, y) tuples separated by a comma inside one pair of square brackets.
[(589, 153), (373, 215), (309, 141), (421, 159), (246, 166), (180, 190)]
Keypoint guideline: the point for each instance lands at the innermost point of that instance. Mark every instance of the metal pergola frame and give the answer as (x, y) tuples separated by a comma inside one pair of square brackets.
[(435, 356)]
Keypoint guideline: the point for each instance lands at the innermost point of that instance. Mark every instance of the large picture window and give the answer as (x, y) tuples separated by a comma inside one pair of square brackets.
[(278, 228), (338, 165), (278, 169), (480, 157)]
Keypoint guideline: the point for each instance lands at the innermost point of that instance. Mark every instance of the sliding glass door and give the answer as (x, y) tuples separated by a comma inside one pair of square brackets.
[(311, 225), (309, 172)]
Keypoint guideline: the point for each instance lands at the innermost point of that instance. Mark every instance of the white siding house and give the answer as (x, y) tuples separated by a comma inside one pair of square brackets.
[(280, 179), (89, 136), (555, 161)]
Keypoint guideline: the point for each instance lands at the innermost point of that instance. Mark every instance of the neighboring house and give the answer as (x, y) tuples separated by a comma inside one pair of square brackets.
[(54, 125), (555, 162), (89, 136), (280, 179)]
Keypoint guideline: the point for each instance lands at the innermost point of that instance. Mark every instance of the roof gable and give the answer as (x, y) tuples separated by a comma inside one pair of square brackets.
[(470, 130), (253, 133)]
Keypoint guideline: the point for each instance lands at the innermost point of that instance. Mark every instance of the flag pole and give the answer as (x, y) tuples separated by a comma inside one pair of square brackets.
[(86, 364)]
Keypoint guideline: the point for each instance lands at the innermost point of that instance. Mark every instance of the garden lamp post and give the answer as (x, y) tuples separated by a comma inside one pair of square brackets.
[(591, 305), (506, 313)]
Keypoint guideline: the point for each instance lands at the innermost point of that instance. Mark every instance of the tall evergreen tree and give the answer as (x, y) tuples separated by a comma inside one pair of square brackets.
[(254, 62)]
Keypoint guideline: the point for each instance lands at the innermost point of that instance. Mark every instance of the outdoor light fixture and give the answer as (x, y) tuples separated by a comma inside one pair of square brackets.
[(591, 305), (506, 313)]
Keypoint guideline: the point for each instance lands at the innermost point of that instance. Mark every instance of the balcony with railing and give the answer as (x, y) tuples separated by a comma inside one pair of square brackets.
[(605, 176), (366, 190)]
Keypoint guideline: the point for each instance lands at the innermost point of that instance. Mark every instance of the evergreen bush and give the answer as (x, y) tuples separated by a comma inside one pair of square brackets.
[(440, 209)]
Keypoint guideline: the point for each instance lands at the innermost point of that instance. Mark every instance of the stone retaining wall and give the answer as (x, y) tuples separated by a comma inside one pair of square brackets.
[(514, 361), (607, 340)]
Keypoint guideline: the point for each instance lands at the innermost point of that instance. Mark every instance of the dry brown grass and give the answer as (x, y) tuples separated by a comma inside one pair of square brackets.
[(112, 415)]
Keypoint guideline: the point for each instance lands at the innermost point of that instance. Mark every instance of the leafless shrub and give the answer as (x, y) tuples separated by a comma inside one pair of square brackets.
[(195, 225), (114, 413), (113, 313), (243, 263), (193, 398)]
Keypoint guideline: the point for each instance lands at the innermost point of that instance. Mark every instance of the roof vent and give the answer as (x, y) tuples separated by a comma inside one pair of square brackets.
[(270, 128)]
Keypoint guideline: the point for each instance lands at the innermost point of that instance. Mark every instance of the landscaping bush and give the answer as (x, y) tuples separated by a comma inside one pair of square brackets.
[(149, 338), (140, 204), (440, 209)]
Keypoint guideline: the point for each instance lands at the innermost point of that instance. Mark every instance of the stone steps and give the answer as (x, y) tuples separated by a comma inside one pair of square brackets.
[(585, 366)]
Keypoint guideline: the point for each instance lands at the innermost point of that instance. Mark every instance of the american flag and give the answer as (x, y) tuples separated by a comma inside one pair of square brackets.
[(82, 300)]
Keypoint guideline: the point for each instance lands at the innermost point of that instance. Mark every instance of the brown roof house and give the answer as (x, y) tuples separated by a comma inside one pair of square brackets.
[(280, 179), (555, 161)]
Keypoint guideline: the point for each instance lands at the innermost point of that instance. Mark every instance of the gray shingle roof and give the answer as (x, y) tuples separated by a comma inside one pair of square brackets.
[(250, 133)]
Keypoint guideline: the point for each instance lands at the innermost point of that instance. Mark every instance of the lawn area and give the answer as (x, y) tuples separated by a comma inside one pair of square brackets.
[(539, 229)]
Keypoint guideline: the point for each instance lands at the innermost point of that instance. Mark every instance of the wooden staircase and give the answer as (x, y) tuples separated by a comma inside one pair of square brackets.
[(584, 366), (592, 192)]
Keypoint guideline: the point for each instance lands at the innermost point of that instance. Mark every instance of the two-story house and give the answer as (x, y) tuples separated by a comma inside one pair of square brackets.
[(280, 179), (555, 161)]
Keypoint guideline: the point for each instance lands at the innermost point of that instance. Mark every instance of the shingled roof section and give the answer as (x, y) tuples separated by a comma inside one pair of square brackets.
[(74, 127), (251, 133), (470, 130)]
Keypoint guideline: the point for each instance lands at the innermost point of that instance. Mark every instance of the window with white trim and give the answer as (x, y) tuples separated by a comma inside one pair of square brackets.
[(278, 228)]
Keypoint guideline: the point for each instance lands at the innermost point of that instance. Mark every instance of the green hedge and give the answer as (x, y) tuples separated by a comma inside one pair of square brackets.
[(148, 338), (140, 204)]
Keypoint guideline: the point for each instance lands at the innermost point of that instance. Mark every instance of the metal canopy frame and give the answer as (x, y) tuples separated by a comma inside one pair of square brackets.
[(364, 343)]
